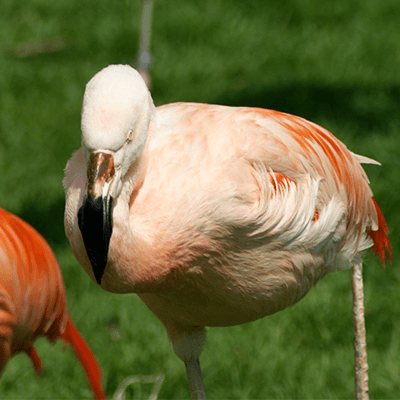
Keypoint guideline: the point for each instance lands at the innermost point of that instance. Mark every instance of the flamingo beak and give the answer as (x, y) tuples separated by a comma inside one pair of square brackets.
[(95, 215)]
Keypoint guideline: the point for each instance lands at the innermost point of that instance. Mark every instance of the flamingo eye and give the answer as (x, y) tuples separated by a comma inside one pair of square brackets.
[(129, 136)]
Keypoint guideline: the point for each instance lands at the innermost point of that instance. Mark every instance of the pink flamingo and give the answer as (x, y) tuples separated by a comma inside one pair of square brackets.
[(33, 301), (213, 215)]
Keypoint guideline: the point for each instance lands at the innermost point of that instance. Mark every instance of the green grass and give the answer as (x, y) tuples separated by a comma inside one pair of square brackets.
[(336, 63)]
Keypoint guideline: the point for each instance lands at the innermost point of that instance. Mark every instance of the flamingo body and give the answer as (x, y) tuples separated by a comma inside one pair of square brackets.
[(33, 301), (220, 215)]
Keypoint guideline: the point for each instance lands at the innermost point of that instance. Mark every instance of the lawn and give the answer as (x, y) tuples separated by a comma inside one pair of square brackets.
[(335, 63)]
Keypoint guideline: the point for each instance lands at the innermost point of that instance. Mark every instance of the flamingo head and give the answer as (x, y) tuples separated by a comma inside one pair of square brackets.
[(116, 114)]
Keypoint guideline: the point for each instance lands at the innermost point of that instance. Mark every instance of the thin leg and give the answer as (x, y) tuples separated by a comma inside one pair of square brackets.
[(144, 59), (187, 342), (360, 345), (195, 380)]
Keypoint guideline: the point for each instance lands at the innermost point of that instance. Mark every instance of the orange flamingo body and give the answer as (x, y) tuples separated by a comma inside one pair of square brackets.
[(213, 215), (33, 301)]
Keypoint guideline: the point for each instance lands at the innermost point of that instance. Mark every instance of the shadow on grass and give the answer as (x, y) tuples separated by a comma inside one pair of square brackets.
[(48, 220), (366, 107)]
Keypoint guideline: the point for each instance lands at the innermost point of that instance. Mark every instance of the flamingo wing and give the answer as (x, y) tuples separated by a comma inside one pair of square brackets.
[(289, 149)]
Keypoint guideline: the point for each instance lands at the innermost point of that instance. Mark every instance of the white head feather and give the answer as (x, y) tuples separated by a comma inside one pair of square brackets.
[(116, 105)]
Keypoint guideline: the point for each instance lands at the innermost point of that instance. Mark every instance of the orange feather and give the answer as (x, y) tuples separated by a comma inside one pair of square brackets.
[(33, 301), (382, 246)]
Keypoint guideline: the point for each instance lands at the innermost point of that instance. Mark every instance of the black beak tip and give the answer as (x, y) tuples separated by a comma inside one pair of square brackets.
[(97, 274), (95, 224)]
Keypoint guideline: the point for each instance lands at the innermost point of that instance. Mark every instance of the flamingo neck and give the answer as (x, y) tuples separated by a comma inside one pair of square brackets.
[(133, 264)]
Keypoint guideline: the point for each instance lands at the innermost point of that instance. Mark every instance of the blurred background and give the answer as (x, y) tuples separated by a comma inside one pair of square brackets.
[(336, 63)]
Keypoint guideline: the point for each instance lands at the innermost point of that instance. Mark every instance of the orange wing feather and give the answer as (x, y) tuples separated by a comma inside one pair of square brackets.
[(382, 246), (341, 162)]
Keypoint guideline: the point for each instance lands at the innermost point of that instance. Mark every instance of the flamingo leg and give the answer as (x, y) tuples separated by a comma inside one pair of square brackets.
[(195, 379), (360, 344), (144, 59)]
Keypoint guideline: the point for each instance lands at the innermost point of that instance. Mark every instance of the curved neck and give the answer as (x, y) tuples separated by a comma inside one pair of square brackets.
[(136, 263)]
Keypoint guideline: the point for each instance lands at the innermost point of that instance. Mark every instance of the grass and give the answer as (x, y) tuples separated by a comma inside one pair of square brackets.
[(335, 63)]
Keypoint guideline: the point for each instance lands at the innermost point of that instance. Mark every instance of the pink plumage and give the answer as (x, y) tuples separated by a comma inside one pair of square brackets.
[(213, 215), (33, 301)]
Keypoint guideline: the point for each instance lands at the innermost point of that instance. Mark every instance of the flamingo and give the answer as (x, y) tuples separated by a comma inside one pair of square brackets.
[(212, 215), (33, 301)]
